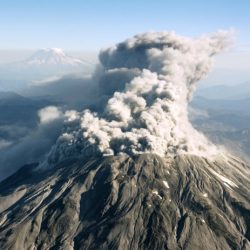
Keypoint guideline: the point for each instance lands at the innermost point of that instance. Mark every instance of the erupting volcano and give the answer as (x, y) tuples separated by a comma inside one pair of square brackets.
[(134, 173)]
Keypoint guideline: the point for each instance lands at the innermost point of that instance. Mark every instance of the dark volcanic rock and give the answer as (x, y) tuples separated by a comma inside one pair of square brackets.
[(148, 202)]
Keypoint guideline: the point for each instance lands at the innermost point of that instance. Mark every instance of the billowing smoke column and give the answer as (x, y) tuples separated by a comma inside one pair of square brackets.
[(150, 79)]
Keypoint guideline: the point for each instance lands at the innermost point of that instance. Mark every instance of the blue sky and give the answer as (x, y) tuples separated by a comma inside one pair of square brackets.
[(92, 24), (86, 26)]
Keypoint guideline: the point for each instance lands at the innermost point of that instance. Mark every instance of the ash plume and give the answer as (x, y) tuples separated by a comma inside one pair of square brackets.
[(148, 81)]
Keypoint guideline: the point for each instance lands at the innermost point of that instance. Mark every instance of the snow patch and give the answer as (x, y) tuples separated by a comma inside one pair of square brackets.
[(166, 184), (157, 194), (225, 180), (3, 219), (227, 185)]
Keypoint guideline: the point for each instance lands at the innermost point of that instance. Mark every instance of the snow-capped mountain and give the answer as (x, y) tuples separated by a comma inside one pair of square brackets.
[(54, 56), (52, 61), (45, 64)]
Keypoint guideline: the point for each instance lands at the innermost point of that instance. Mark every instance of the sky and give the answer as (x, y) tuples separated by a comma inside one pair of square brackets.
[(92, 24), (89, 25)]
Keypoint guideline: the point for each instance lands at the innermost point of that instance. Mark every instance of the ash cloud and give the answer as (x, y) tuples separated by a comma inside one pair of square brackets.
[(146, 83), (34, 145)]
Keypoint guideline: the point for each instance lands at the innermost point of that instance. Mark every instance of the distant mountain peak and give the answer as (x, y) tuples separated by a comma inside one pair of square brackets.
[(55, 50), (52, 56)]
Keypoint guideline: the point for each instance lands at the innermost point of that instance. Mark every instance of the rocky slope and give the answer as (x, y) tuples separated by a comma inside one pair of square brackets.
[(145, 202)]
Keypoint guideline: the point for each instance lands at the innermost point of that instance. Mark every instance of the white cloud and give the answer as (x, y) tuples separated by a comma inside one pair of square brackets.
[(49, 114)]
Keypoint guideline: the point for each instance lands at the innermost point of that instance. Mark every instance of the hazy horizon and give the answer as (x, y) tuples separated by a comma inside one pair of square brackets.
[(83, 28), (230, 68)]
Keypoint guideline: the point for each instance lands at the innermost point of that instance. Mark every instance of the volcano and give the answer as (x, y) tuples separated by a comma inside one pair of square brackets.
[(145, 202), (133, 173), (44, 64), (52, 56)]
